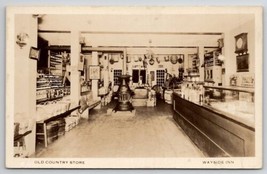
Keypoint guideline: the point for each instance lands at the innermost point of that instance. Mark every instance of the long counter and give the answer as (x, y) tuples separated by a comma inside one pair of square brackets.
[(217, 134)]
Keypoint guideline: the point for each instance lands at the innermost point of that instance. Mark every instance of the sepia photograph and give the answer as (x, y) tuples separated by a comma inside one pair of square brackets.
[(134, 87)]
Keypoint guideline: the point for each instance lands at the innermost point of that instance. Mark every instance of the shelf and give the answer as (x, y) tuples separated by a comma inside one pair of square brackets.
[(232, 88), (46, 100), (85, 92), (43, 88), (209, 80), (54, 68), (196, 82), (62, 115), (50, 87), (194, 75), (17, 137)]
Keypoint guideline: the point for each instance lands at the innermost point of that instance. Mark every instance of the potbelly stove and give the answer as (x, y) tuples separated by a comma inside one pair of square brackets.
[(124, 94)]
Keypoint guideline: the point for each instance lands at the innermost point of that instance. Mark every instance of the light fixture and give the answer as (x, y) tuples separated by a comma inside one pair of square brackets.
[(37, 15), (221, 57), (22, 39), (82, 40)]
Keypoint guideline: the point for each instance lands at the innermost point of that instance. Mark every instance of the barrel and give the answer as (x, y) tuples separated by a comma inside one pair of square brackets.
[(61, 126), (168, 96), (51, 131)]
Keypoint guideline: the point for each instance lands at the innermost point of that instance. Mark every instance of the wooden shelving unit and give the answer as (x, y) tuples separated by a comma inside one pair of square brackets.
[(55, 63), (212, 68)]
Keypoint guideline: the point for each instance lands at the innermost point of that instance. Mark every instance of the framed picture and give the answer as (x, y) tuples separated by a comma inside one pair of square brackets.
[(81, 62), (34, 53), (242, 63), (94, 72)]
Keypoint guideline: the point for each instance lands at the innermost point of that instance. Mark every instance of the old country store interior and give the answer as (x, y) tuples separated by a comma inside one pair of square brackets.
[(134, 85)]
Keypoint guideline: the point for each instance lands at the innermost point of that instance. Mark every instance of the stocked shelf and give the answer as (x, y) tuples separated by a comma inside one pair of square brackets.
[(212, 68), (49, 88), (48, 99), (56, 63)]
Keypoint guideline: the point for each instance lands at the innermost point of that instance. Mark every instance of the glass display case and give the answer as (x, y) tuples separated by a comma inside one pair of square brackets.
[(236, 102), (223, 114), (192, 91)]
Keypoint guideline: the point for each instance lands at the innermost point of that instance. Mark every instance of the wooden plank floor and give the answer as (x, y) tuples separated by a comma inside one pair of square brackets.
[(151, 133)]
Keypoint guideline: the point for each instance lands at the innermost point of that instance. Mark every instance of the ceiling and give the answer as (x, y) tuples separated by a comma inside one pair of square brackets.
[(195, 23), (141, 29)]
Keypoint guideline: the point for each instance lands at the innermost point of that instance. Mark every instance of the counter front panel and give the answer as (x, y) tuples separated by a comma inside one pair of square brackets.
[(216, 134)]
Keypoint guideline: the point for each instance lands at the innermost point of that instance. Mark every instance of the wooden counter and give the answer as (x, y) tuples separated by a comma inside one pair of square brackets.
[(216, 134), (52, 118)]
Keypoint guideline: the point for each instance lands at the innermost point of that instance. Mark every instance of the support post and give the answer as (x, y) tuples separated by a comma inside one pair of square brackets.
[(95, 82), (201, 62), (75, 73)]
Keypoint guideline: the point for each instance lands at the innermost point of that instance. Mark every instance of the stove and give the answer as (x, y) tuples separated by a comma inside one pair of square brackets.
[(124, 94)]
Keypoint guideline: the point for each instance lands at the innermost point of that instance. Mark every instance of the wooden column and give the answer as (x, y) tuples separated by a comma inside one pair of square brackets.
[(24, 87), (124, 62), (75, 74), (106, 71), (95, 82), (201, 59), (230, 69)]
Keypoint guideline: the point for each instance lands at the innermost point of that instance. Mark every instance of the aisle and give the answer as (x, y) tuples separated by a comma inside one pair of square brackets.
[(151, 133)]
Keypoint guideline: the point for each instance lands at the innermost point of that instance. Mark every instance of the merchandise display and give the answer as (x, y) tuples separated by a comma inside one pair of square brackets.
[(231, 101)]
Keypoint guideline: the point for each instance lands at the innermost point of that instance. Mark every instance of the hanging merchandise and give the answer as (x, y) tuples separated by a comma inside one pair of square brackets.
[(157, 58), (181, 58), (145, 63), (128, 58), (151, 61), (136, 58), (116, 57), (166, 58), (111, 61), (173, 59)]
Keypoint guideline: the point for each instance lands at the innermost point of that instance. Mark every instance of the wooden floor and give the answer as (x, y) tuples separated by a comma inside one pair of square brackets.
[(152, 132)]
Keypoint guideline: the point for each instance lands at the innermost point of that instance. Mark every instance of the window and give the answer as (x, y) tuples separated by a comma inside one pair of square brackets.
[(139, 75), (116, 74), (160, 77), (135, 76)]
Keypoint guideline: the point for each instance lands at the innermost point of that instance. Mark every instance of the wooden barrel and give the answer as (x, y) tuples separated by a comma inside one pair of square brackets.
[(52, 131), (61, 126), (168, 96)]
